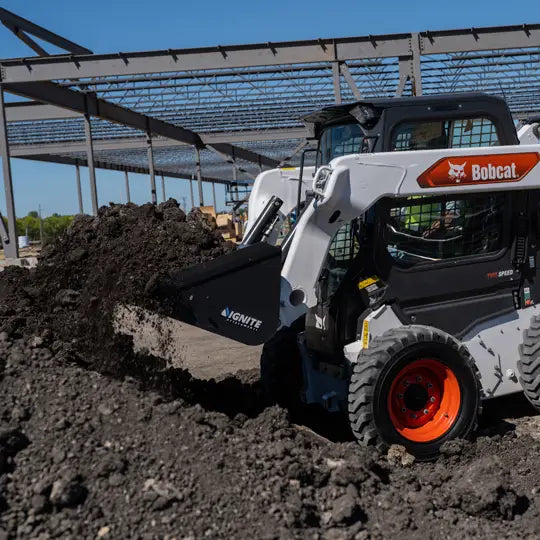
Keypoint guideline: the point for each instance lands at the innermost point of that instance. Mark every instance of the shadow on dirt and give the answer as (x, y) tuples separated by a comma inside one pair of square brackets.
[(240, 393)]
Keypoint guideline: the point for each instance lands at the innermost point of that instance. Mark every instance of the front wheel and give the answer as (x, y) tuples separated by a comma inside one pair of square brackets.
[(415, 386)]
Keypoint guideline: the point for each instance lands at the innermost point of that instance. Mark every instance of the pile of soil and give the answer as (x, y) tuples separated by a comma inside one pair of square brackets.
[(97, 441)]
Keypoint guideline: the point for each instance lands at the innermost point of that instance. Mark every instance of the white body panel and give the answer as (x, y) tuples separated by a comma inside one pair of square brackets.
[(529, 134)]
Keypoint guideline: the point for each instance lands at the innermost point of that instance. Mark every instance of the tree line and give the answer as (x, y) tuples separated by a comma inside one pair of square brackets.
[(34, 227)]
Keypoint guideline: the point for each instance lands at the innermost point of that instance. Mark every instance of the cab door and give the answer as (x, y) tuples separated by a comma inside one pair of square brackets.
[(450, 262)]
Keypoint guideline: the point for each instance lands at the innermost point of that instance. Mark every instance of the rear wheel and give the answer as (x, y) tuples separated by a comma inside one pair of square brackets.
[(415, 386)]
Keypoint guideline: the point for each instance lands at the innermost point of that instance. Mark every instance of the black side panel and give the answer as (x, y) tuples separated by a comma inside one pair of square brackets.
[(236, 296), (458, 316)]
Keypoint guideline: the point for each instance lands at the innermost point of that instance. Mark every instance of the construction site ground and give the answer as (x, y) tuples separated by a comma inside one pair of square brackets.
[(102, 437)]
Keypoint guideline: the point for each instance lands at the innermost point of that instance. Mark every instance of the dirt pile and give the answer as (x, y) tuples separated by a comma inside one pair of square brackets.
[(100, 262), (155, 453)]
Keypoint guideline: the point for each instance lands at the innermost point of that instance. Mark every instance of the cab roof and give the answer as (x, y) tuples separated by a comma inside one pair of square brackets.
[(373, 108)]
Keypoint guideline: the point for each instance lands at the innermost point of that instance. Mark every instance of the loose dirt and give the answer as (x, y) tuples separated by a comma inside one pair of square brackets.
[(97, 441)]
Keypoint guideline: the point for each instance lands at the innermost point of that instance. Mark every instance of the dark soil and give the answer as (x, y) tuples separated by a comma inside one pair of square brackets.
[(97, 441)]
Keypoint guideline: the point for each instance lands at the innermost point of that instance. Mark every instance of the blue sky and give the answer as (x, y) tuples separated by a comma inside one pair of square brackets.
[(123, 25)]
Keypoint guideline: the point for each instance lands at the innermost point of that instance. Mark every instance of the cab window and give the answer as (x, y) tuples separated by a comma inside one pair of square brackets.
[(427, 229), (339, 141), (463, 133)]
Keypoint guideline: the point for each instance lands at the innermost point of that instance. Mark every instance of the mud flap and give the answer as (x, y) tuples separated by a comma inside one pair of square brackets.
[(236, 295)]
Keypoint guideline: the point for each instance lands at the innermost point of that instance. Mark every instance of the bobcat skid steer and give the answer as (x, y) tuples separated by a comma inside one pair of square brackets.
[(407, 290)]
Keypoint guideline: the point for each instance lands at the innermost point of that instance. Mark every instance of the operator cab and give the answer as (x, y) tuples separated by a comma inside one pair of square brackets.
[(411, 123), (405, 242)]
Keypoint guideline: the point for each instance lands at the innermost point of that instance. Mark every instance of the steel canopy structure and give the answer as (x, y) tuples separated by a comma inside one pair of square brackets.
[(223, 113)]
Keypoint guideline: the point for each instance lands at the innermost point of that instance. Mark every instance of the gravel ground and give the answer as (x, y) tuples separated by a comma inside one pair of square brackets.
[(97, 441)]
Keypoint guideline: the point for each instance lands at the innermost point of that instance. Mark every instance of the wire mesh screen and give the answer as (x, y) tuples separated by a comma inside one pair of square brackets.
[(464, 133), (343, 245), (422, 229), (473, 132)]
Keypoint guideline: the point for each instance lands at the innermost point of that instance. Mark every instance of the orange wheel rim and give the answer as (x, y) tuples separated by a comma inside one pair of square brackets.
[(424, 400)]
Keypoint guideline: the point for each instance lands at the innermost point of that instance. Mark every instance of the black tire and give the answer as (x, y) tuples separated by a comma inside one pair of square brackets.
[(529, 362), (378, 368), (281, 368)]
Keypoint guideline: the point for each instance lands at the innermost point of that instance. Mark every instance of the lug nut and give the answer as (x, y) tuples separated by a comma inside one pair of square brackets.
[(429, 385), (418, 379), (414, 416), (426, 411), (403, 409), (400, 396), (432, 399)]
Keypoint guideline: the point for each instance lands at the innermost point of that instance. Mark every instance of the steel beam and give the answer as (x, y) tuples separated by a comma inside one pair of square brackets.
[(268, 54), (236, 152), (25, 38), (89, 104), (344, 68), (11, 248), (11, 20), (140, 142), (150, 153), (128, 192), (91, 165), (32, 111), (69, 160), (79, 190)]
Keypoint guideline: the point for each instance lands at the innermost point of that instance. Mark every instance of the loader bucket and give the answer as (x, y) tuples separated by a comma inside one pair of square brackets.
[(236, 295)]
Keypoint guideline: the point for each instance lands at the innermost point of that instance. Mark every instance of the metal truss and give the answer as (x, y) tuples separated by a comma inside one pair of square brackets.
[(240, 106)]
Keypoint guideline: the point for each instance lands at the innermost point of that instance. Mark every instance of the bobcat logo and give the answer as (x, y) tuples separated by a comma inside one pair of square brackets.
[(320, 322), (457, 172)]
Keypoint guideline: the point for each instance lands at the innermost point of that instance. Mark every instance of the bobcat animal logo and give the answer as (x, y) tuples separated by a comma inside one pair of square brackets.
[(457, 172), (320, 322)]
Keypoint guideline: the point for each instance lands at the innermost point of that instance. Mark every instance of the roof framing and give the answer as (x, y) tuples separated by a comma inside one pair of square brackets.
[(269, 54), (230, 97)]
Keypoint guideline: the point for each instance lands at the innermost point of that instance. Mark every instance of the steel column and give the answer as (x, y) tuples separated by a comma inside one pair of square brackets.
[(151, 167), (235, 178), (79, 190), (199, 178), (214, 195), (416, 64), (163, 188), (191, 193), (410, 67), (128, 193), (11, 249), (91, 167)]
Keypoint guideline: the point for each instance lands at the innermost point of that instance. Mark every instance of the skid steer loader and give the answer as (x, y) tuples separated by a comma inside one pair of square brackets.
[(407, 290)]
